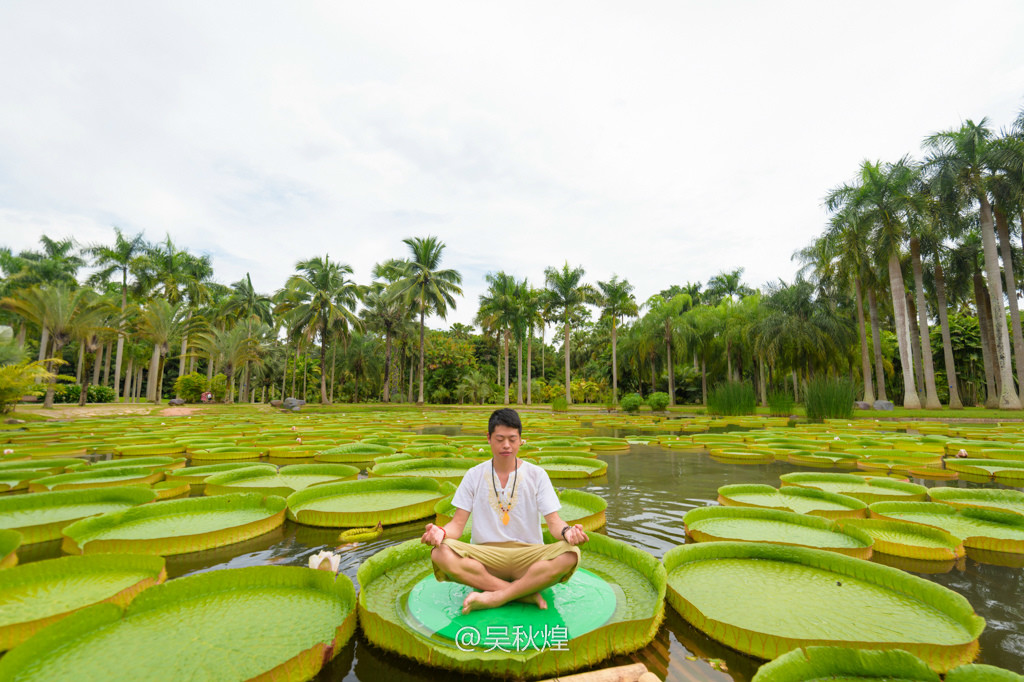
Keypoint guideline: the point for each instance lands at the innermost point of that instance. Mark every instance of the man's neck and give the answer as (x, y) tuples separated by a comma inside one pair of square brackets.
[(504, 465)]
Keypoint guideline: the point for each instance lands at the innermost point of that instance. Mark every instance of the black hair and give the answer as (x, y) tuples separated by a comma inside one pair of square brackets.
[(504, 417)]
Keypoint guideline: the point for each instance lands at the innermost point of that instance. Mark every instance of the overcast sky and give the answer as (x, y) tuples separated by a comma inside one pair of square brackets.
[(661, 141)]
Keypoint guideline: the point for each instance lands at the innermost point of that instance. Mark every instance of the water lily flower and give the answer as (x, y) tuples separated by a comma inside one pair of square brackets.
[(8, 451), (325, 561), (961, 453)]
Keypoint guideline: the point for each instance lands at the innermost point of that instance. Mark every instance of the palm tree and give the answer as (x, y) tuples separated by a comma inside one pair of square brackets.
[(962, 161), (885, 197), (119, 258), (426, 287), (322, 298), (386, 314), (531, 302), (567, 294), (665, 315), (160, 322), (228, 349), (56, 263), (726, 285), (474, 386), (499, 310), (617, 301)]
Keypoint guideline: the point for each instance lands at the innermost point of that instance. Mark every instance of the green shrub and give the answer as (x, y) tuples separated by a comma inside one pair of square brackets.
[(830, 398), (631, 402), (191, 387), (66, 393), (731, 398), (560, 404), (658, 401), (99, 394), (219, 387), (19, 380), (780, 403)]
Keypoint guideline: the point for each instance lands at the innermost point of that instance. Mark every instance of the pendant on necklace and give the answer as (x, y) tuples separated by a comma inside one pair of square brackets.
[(504, 518)]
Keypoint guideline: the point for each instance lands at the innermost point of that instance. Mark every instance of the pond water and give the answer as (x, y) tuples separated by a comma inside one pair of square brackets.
[(648, 491)]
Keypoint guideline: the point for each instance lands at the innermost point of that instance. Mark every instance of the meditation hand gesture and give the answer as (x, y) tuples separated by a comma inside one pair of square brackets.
[(433, 536), (575, 535)]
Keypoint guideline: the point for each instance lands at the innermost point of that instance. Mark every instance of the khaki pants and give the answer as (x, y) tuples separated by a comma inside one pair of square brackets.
[(509, 560)]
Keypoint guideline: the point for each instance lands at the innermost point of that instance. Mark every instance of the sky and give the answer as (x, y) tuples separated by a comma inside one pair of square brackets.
[(664, 142)]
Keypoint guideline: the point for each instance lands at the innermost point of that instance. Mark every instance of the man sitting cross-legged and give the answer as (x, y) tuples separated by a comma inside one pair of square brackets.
[(506, 559)]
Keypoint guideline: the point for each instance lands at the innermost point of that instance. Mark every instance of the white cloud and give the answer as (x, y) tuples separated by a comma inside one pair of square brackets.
[(664, 142)]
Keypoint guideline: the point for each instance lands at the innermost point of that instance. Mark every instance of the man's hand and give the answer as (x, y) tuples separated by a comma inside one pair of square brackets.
[(434, 535), (576, 535)]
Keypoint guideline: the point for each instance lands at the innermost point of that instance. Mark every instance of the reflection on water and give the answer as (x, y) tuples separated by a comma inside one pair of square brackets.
[(648, 491)]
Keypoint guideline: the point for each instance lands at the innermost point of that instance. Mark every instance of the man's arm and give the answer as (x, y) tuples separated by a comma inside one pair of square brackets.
[(435, 535), (574, 535)]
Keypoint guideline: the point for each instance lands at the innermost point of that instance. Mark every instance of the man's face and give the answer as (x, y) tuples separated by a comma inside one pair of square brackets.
[(505, 441)]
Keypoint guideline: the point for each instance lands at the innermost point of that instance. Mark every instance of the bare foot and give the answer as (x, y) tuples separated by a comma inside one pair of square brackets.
[(476, 601), (534, 598)]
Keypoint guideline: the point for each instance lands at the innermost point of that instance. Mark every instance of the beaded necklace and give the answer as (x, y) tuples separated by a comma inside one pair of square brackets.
[(505, 501)]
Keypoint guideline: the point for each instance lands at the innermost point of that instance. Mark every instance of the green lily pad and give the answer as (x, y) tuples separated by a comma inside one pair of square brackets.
[(10, 540), (866, 489), (792, 498), (571, 467), (34, 595), (96, 478), (199, 474), (910, 540), (39, 517), (840, 664), (635, 577), (750, 524), (710, 585), (365, 502), (440, 469), (978, 672), (353, 452), (983, 498), (978, 528), (1010, 472), (54, 466), (283, 482), (263, 622), (177, 526), (154, 463)]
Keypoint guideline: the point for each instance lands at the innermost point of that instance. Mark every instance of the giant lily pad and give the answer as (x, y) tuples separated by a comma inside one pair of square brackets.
[(177, 526), (10, 540), (441, 469), (13, 480), (97, 478), (154, 463), (770, 525), (978, 528), (198, 475), (284, 482), (572, 467), (41, 516), (979, 672), (866, 489), (54, 466), (262, 622), (34, 595), (710, 585), (821, 663), (800, 500), (910, 540), (984, 498), (1010, 472), (634, 576), (353, 452), (366, 502)]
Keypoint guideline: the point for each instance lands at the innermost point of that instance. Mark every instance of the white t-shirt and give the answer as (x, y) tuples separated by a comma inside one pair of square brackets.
[(533, 498)]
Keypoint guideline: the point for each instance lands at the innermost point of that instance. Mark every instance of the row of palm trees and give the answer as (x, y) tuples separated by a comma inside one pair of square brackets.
[(920, 220)]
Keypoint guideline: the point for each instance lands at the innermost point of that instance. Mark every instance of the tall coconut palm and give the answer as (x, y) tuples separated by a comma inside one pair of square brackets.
[(161, 322), (532, 310), (665, 315), (499, 310), (117, 259), (567, 294), (55, 263), (385, 314), (617, 302), (963, 161), (228, 349), (884, 196), (1007, 188), (322, 298), (426, 287)]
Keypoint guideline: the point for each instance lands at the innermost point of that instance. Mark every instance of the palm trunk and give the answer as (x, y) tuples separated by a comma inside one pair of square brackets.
[(84, 391), (387, 367), (139, 373), (865, 362), (44, 341), (229, 395), (412, 367), (106, 365), (519, 371), (529, 369), (542, 374), (324, 399), (931, 400), (48, 401), (98, 364), (505, 336), (184, 348), (947, 346), (568, 391), (703, 382), (915, 345), (154, 374), (763, 387), (991, 389), (1008, 398), (911, 400), (671, 367), (81, 361), (334, 370), (295, 368), (876, 344), (796, 396), (615, 366), (128, 375), (1011, 293), (423, 315), (284, 371)]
